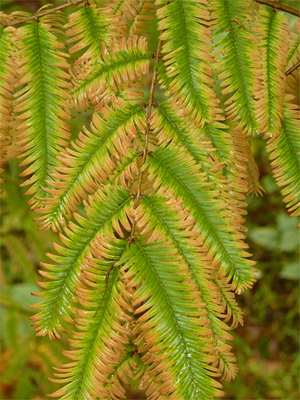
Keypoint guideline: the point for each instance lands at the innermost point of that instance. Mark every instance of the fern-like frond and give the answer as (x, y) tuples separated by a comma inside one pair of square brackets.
[(169, 333), (171, 168), (239, 62), (185, 69), (285, 158), (107, 208), (273, 43), (159, 220), (7, 80), (121, 66), (90, 161), (244, 163), (89, 27), (42, 102), (168, 125), (101, 334), (145, 10)]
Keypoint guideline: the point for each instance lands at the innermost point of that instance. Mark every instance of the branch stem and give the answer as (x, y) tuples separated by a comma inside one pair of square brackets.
[(292, 69), (149, 110), (50, 11), (278, 6)]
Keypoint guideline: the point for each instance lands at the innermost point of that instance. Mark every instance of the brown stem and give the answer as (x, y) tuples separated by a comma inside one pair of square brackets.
[(139, 189), (278, 6), (292, 69), (52, 10)]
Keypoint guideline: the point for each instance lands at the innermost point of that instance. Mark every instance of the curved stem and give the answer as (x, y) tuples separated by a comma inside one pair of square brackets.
[(278, 6), (153, 83), (50, 11)]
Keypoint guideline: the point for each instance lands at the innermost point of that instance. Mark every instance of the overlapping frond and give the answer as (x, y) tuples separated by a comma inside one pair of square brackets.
[(244, 162), (239, 60), (158, 219), (102, 332), (284, 153), (145, 10), (185, 69), (119, 67), (7, 80), (106, 210), (42, 101), (91, 160), (170, 333), (273, 33), (172, 168), (168, 125)]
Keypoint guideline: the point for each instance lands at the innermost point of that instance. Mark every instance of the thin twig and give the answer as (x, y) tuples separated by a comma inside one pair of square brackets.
[(106, 284), (278, 6), (292, 69), (149, 110), (50, 11)]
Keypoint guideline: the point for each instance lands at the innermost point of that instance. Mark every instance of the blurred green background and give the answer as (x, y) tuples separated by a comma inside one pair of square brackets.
[(266, 347)]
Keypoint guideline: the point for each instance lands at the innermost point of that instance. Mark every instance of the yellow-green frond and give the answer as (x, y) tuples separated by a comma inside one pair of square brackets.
[(167, 125), (90, 161), (102, 328), (89, 27), (173, 341), (106, 210), (171, 168), (273, 33), (42, 101), (120, 66), (185, 69), (285, 159), (239, 60)]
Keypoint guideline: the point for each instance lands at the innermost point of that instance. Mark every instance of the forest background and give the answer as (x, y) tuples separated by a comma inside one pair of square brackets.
[(267, 347)]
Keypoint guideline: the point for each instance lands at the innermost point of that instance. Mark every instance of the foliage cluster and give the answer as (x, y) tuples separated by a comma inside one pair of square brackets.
[(149, 201)]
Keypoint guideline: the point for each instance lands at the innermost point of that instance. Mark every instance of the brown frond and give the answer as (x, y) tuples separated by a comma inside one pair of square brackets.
[(145, 10), (292, 80), (7, 81)]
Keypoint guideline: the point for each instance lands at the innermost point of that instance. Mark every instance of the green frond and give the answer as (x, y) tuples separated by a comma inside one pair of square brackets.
[(7, 80), (239, 62), (172, 340), (90, 161), (106, 210), (101, 334), (186, 65), (122, 65), (168, 125), (284, 156), (42, 102), (273, 33), (161, 221), (171, 168), (89, 27), (144, 12)]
